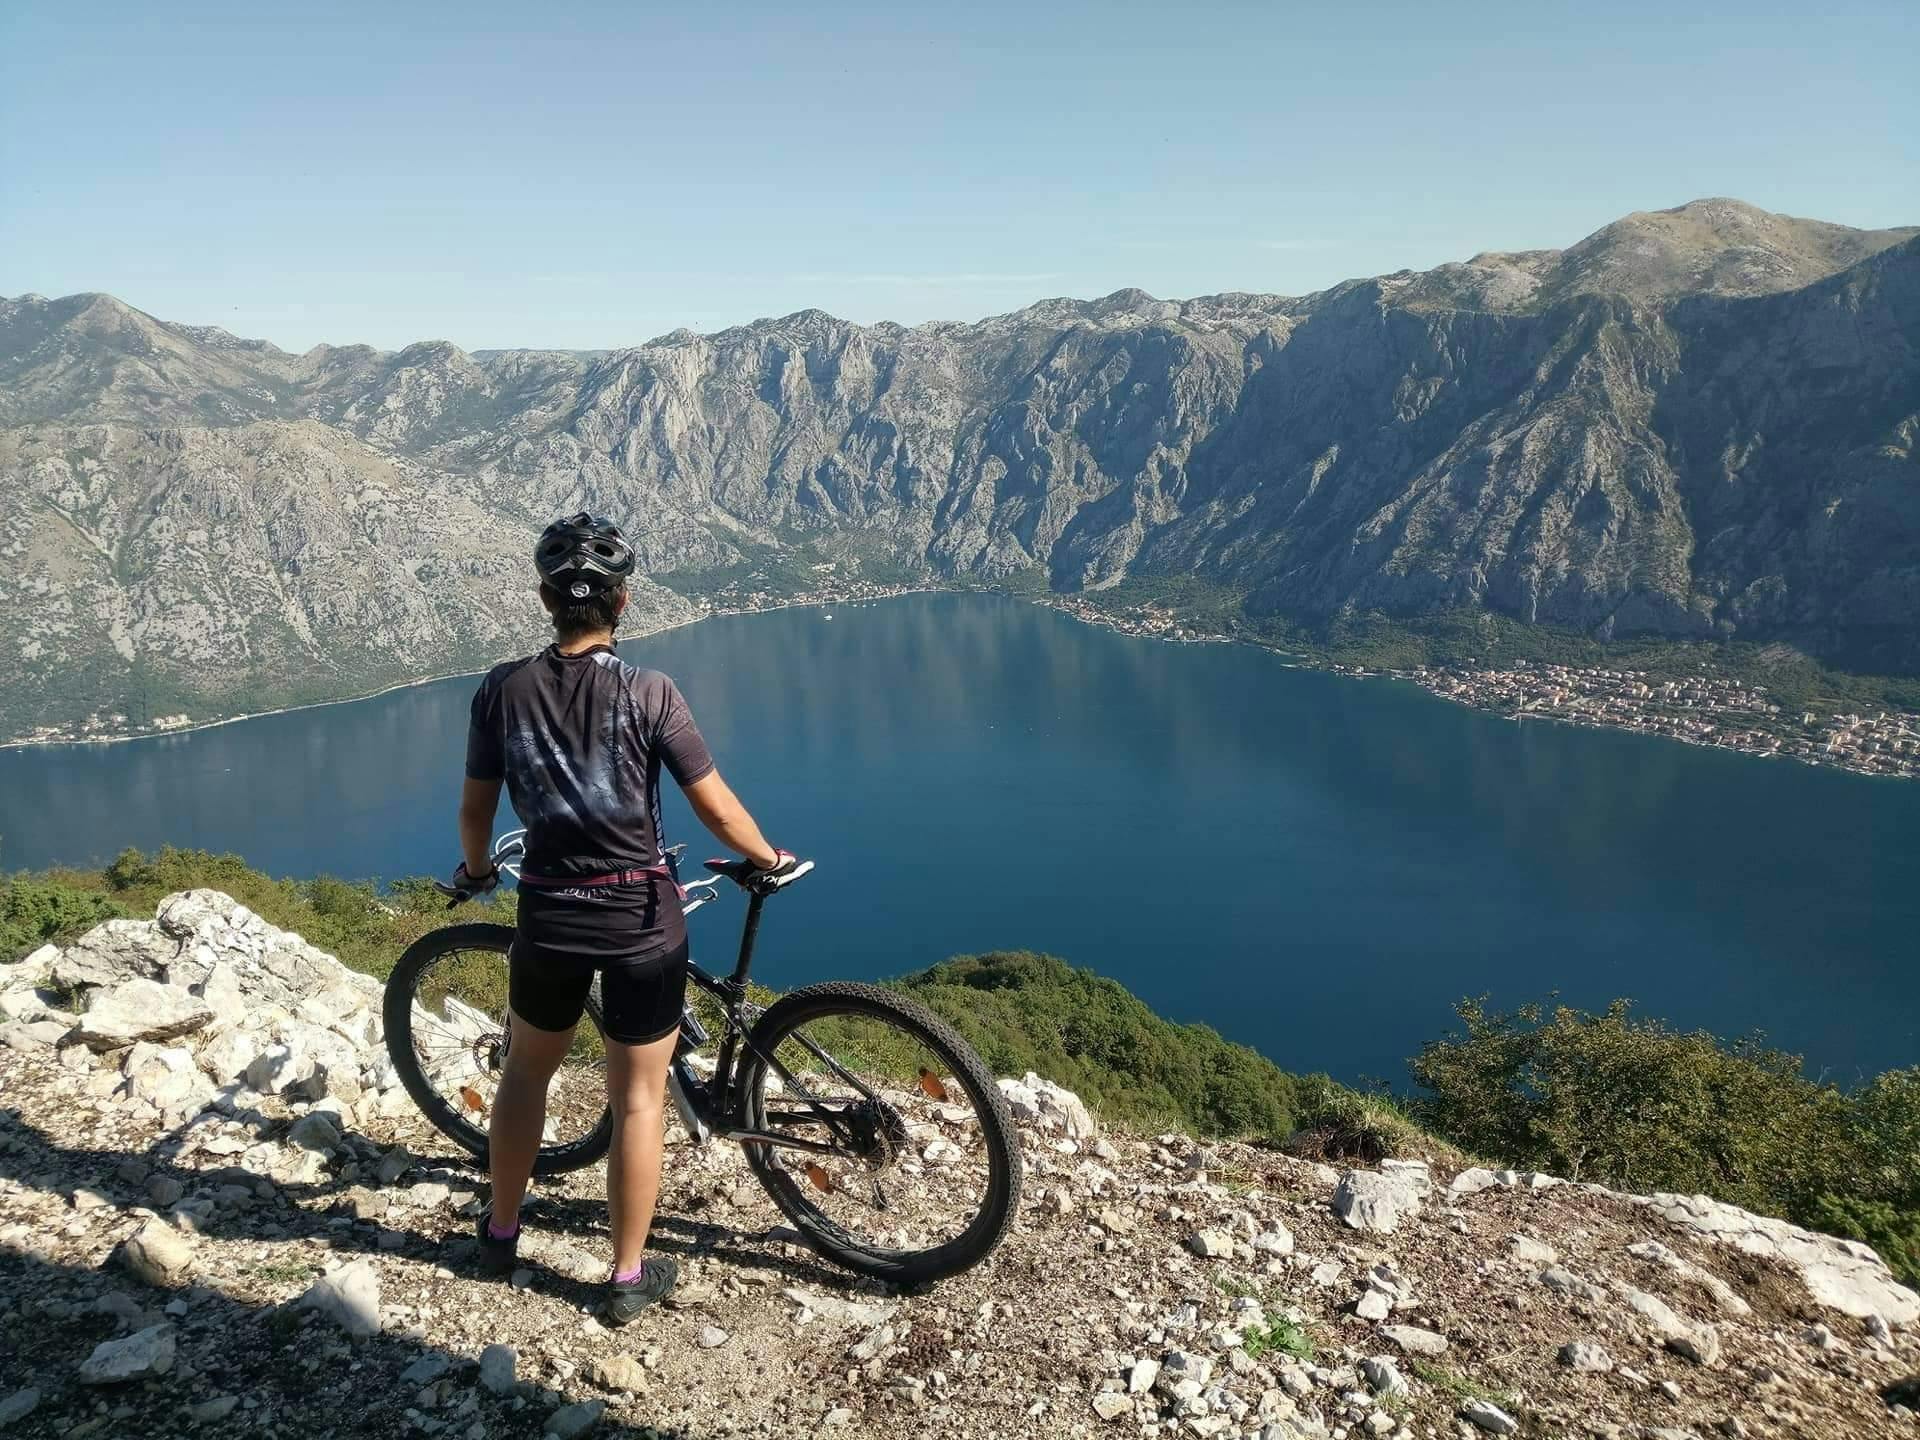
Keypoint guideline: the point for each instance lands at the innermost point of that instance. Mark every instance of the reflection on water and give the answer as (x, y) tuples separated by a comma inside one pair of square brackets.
[(1314, 865)]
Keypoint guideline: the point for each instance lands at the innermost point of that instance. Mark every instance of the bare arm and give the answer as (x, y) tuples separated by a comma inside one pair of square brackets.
[(479, 799), (720, 810)]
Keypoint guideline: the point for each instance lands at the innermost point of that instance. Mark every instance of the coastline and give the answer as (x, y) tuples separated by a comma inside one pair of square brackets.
[(1064, 605), (198, 725)]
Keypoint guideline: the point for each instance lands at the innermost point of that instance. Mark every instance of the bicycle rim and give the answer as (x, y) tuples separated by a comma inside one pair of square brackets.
[(457, 1038), (917, 1171)]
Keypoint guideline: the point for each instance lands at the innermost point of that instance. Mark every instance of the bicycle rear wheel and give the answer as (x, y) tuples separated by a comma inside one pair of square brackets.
[(446, 1024), (911, 1171)]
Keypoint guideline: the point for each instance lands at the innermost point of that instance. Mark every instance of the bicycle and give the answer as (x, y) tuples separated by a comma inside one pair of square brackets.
[(858, 1109)]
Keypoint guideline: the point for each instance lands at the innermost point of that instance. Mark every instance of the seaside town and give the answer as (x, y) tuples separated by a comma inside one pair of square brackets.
[(1700, 710)]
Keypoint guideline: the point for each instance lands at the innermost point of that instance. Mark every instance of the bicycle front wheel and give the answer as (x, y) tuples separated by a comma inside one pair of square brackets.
[(445, 1014), (899, 1159)]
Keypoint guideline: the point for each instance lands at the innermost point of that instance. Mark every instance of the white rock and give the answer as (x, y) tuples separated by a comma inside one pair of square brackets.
[(1373, 1305), (1375, 1202), (1698, 1343), (497, 1363), (162, 1075), (1724, 1295), (139, 1009), (159, 1255), (350, 1297), (1580, 1355), (278, 1068), (1276, 1239), (1487, 1416), (1112, 1404), (1528, 1251), (228, 1053), (570, 1422), (712, 1337), (1414, 1340), (1141, 1377), (315, 1131), (145, 1352), (1383, 1377), (223, 994), (1210, 1244)]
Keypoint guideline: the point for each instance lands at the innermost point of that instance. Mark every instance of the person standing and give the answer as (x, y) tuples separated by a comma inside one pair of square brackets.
[(579, 737)]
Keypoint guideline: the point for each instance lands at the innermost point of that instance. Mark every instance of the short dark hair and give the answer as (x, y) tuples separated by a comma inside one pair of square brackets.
[(573, 618)]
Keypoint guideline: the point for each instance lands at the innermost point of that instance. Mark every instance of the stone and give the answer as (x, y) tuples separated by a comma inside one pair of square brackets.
[(315, 1131), (137, 1010), (277, 1069), (1698, 1343), (1112, 1404), (209, 1412), (395, 1163), (164, 1190), (350, 1297), (1526, 1250), (571, 1421), (161, 1075), (1141, 1377), (227, 1055), (134, 1357), (1585, 1356), (1374, 1305), (1374, 1201), (222, 992), (1724, 1295), (712, 1337), (1383, 1377), (1567, 1283), (621, 1373), (1276, 1239), (1210, 1244), (1414, 1340), (1180, 1365), (427, 1369), (34, 1035), (159, 1255), (1842, 1275), (18, 1406), (497, 1364), (1485, 1415)]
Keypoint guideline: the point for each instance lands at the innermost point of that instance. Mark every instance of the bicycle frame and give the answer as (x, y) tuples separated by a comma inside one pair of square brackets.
[(716, 1109)]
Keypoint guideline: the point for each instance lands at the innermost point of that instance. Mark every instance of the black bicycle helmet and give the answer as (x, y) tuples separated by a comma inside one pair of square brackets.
[(583, 555)]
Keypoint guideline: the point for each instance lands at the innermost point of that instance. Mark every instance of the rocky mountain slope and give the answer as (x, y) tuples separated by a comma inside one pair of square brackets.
[(1698, 422), (219, 1214)]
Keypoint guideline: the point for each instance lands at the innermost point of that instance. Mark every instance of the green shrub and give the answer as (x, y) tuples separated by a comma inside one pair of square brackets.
[(1630, 1103), (37, 909), (1023, 1012)]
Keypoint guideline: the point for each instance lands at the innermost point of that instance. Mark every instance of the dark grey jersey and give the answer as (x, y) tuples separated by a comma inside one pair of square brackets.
[(579, 740)]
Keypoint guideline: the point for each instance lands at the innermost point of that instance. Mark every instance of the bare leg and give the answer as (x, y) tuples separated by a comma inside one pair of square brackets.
[(637, 1091), (520, 1112)]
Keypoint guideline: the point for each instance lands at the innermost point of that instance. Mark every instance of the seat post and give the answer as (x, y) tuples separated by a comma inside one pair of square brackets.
[(754, 901)]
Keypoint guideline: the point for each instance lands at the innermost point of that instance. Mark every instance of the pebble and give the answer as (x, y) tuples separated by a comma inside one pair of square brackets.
[(218, 1408), (1585, 1356), (145, 1352), (712, 1337), (572, 1421), (1485, 1415), (497, 1364), (618, 1372), (159, 1255), (350, 1297), (18, 1406)]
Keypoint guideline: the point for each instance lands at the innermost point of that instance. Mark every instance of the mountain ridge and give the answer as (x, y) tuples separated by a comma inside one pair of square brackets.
[(1578, 450)]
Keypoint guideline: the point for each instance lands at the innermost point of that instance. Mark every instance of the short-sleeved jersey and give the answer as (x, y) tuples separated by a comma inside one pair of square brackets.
[(579, 740)]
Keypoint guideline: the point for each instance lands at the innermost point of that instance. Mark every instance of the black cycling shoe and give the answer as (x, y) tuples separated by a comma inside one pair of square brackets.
[(655, 1280), (497, 1257)]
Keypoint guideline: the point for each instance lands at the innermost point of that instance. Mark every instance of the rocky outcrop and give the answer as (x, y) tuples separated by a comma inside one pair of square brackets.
[(277, 1230), (1696, 423)]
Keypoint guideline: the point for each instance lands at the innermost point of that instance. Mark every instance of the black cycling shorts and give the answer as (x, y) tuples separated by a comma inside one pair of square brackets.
[(640, 998)]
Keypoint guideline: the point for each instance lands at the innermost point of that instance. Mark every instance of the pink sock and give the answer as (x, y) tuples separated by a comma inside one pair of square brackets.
[(498, 1234), (628, 1277)]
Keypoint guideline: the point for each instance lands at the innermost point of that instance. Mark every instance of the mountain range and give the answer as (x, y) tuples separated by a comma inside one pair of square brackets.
[(1695, 423)]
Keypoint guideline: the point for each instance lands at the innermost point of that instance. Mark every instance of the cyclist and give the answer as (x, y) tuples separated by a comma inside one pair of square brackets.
[(579, 737)]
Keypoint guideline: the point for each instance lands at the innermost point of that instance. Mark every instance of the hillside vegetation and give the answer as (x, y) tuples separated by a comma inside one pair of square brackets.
[(1612, 1098)]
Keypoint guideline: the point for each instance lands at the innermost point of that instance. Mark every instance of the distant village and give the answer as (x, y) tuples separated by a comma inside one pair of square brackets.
[(1699, 709)]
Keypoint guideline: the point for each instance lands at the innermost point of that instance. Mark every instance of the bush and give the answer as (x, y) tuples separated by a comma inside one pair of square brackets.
[(37, 909), (1630, 1103), (1023, 1012)]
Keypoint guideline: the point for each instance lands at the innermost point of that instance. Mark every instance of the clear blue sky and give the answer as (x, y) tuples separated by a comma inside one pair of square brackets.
[(595, 174)]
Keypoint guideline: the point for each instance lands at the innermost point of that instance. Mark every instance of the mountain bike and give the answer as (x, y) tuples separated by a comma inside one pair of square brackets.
[(872, 1125)]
